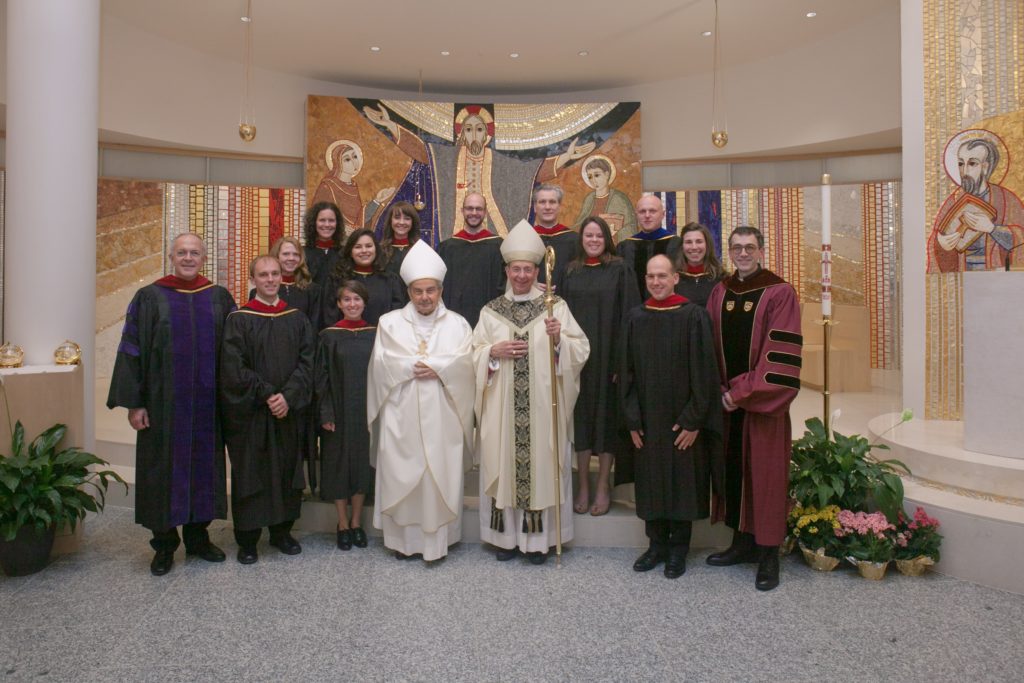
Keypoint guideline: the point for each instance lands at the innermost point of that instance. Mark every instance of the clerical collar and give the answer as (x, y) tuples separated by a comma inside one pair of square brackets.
[(260, 307), (695, 270), (175, 282), (351, 324), (669, 302), (592, 261), (757, 272), (325, 244), (364, 270), (399, 241), (759, 280), (288, 279), (482, 233), (659, 234), (556, 229), (529, 296)]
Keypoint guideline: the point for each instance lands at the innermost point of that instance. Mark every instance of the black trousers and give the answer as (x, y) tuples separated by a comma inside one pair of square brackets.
[(668, 533), (195, 533), (248, 538)]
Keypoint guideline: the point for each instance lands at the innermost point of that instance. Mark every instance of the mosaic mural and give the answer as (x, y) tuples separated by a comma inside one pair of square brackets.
[(365, 154)]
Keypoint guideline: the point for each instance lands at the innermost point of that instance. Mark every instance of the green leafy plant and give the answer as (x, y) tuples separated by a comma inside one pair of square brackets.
[(42, 487), (832, 469)]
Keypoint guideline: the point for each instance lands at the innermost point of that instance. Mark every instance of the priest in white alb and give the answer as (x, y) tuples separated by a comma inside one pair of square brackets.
[(515, 426), (420, 408)]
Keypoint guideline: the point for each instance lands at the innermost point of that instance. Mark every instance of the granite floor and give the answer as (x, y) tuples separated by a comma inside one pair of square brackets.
[(98, 615)]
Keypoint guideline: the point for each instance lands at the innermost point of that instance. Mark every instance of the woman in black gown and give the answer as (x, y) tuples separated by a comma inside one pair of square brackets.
[(361, 261), (323, 240), (342, 359), (600, 289), (297, 286), (697, 263), (401, 231)]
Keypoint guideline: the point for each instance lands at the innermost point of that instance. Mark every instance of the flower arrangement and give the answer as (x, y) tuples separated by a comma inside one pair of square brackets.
[(816, 529), (917, 537), (866, 536)]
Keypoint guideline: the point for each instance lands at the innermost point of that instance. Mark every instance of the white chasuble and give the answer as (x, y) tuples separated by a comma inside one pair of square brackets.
[(515, 423), (420, 430)]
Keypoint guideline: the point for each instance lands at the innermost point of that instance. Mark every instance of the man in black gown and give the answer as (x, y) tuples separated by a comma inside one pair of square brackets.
[(266, 387), (671, 403), (547, 202), (476, 271), (165, 374), (652, 238)]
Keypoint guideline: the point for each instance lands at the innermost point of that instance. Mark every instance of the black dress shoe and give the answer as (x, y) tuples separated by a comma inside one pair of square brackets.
[(675, 565), (359, 537), (247, 556), (344, 539), (768, 569), (649, 560), (506, 554), (742, 550), (162, 562), (208, 552), (537, 558), (286, 544), (403, 556)]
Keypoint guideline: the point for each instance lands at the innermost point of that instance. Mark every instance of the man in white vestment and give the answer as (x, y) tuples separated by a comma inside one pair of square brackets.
[(419, 402), (515, 429)]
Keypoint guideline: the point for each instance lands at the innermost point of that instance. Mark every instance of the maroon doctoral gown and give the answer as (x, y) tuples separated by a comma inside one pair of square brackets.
[(756, 327)]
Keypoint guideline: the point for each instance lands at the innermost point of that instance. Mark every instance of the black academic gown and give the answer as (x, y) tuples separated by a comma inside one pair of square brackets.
[(394, 264), (670, 377), (320, 263), (265, 353), (476, 274), (696, 287), (342, 359), (636, 252), (167, 363), (566, 245), (599, 296), (386, 294)]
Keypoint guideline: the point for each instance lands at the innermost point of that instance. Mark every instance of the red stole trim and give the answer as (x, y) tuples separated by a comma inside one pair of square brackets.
[(260, 307), (325, 244), (556, 229), (473, 236), (363, 270), (592, 261), (351, 324), (695, 270), (287, 279), (671, 301), (175, 282), (400, 242)]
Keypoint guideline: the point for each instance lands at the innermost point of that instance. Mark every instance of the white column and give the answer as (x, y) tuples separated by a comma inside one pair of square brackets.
[(912, 240), (50, 248)]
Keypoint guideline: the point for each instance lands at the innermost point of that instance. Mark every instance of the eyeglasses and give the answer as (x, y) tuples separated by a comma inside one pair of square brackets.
[(743, 248)]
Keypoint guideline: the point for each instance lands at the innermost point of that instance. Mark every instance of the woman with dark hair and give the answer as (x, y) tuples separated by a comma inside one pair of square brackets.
[(361, 261), (342, 358), (697, 263), (600, 289), (322, 226), (401, 231)]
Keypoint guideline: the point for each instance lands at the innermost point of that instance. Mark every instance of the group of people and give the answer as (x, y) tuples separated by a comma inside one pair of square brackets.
[(397, 368)]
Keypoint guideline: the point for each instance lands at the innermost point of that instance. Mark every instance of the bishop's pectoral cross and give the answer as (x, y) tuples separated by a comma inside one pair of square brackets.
[(422, 350)]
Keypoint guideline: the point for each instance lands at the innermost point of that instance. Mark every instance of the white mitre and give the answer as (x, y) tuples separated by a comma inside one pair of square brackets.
[(422, 263), (522, 244)]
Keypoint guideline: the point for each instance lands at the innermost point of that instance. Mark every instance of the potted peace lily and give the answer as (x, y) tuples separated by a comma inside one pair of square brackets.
[(42, 488)]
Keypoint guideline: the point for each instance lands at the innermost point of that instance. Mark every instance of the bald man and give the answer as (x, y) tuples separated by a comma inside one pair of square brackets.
[(652, 238)]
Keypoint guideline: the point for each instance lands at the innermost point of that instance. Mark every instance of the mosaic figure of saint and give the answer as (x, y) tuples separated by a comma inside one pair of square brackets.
[(344, 161), (471, 165), (980, 226), (614, 206)]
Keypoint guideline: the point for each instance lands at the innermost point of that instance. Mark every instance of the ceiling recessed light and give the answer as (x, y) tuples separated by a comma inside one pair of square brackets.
[(811, 15), (445, 53), (374, 48), (514, 55), (706, 34), (583, 53)]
